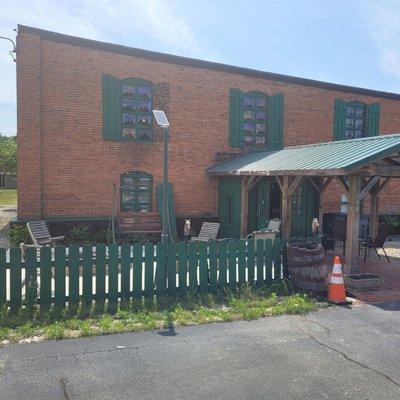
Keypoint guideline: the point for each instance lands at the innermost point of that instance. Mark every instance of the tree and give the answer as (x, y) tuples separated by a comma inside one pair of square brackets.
[(8, 154)]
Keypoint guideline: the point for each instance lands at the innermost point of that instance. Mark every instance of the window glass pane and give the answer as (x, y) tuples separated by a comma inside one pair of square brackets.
[(260, 141), (349, 134), (249, 140), (358, 123), (248, 115), (144, 91), (248, 101), (350, 110), (261, 115), (144, 198), (359, 112), (261, 102), (128, 119), (128, 133), (144, 208), (349, 122), (127, 196), (143, 134), (128, 90), (248, 127), (358, 134), (128, 105), (144, 120), (260, 128), (144, 106)]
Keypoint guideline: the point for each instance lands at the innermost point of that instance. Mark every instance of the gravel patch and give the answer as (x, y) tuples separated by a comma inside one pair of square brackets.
[(6, 214)]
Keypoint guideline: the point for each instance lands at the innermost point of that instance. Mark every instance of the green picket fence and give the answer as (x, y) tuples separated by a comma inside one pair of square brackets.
[(70, 275)]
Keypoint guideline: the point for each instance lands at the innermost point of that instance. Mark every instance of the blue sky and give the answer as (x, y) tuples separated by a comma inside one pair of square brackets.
[(354, 43)]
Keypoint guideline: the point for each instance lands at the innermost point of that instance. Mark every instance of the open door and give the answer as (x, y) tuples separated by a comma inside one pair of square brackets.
[(229, 204)]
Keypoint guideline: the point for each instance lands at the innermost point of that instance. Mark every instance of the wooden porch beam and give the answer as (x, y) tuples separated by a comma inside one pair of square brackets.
[(244, 208), (384, 170), (316, 186), (280, 184), (297, 181), (382, 185), (343, 185), (369, 185), (326, 183), (286, 208)]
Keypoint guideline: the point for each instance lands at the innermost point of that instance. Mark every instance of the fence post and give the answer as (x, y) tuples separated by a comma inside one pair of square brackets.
[(3, 288), (213, 268), (30, 276)]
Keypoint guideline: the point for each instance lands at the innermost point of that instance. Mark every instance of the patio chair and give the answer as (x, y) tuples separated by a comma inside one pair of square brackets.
[(274, 225), (208, 231), (40, 236), (377, 243), (338, 233)]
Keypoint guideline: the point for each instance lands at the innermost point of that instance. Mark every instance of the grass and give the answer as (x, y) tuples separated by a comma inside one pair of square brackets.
[(8, 197), (245, 304)]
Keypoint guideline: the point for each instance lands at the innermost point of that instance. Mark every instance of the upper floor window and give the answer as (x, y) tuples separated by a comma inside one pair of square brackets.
[(136, 192), (255, 120), (127, 107), (355, 119)]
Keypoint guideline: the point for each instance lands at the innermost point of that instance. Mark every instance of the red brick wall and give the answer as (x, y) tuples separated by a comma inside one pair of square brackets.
[(60, 118)]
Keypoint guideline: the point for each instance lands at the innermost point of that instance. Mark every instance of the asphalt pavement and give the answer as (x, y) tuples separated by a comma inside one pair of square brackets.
[(335, 353)]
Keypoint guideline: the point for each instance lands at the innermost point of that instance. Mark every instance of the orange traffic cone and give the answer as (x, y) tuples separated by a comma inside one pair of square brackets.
[(336, 291)]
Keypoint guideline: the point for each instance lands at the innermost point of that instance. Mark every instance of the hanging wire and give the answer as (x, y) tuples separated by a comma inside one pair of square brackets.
[(14, 50)]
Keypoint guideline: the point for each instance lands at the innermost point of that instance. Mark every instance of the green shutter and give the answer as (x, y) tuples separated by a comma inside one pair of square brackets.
[(339, 120), (235, 132), (171, 206), (373, 119), (112, 114), (275, 132)]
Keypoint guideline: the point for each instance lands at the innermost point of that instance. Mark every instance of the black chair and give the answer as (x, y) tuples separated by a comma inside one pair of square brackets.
[(377, 243), (338, 233)]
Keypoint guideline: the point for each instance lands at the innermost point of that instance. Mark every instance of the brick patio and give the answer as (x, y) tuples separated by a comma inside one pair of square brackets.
[(391, 272)]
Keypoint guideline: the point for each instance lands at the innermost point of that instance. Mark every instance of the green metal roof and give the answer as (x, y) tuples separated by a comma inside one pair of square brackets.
[(315, 159)]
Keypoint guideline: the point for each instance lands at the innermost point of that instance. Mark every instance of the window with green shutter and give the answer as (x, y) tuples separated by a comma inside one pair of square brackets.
[(136, 192), (127, 107), (255, 120), (355, 119)]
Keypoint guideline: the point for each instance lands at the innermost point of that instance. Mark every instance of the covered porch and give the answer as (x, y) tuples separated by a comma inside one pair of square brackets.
[(361, 167)]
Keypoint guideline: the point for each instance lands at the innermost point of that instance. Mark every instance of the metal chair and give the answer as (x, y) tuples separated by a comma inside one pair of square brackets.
[(377, 243)]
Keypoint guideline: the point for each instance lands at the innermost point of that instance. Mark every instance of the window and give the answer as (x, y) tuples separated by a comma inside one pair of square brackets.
[(254, 119), (127, 109), (355, 120), (136, 110), (136, 192), (297, 202)]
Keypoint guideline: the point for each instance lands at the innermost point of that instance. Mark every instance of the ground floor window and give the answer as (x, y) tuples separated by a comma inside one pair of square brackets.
[(136, 192)]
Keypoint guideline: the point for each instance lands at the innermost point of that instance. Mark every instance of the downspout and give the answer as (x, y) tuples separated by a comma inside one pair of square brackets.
[(41, 130)]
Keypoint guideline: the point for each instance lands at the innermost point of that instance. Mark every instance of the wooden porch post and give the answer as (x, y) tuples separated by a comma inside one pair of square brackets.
[(286, 209), (244, 209), (353, 222), (374, 214)]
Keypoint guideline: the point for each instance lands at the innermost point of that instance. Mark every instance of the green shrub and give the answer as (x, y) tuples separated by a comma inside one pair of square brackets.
[(19, 234)]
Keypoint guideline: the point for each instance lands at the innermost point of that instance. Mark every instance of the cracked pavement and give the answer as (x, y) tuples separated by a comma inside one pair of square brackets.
[(336, 353)]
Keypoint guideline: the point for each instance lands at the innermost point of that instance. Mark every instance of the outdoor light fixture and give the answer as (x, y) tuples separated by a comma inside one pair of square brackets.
[(162, 121), (161, 118)]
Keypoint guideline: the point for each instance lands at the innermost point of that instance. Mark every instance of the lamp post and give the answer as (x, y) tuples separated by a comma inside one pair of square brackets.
[(162, 121)]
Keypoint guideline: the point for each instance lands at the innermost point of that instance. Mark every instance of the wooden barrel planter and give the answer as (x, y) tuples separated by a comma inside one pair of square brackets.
[(307, 268)]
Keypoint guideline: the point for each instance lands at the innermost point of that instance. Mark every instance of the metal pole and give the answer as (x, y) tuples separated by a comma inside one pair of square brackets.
[(164, 235)]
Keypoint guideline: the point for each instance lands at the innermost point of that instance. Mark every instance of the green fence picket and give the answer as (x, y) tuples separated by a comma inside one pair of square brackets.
[(160, 269), (100, 272), (182, 266), (73, 274), (242, 261), (30, 276), (222, 263), (125, 271), (260, 261), (15, 279), (193, 263), (203, 267), (59, 276), (213, 265), (112, 276), (268, 261), (277, 250), (87, 273), (232, 255), (250, 262), (137, 270), (3, 275), (171, 268), (149, 269), (45, 276)]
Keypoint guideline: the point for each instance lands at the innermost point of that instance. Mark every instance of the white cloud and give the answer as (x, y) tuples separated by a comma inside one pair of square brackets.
[(118, 22), (383, 25)]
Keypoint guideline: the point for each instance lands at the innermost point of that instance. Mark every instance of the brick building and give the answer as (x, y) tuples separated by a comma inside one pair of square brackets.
[(85, 125)]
